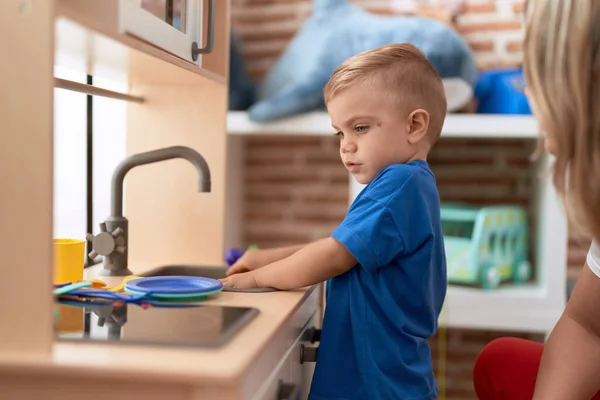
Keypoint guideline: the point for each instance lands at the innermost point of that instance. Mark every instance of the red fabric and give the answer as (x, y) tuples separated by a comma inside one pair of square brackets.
[(506, 369)]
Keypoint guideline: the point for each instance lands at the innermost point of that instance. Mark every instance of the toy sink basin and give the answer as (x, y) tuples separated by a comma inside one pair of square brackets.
[(206, 271)]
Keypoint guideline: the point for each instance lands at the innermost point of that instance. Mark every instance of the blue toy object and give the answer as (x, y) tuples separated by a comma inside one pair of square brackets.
[(486, 246), (232, 255), (500, 91), (338, 30)]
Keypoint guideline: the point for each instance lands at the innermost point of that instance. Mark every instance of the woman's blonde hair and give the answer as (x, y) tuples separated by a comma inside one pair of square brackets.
[(562, 75)]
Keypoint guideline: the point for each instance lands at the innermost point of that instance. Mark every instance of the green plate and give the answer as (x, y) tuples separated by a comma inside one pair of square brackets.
[(178, 297)]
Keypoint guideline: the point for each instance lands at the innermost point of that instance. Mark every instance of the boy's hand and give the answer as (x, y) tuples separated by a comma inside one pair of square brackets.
[(249, 261), (245, 280)]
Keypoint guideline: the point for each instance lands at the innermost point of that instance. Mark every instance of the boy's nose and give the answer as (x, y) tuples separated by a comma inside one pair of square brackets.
[(348, 147)]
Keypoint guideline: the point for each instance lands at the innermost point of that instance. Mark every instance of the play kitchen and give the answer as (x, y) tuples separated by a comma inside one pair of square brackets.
[(91, 310), (165, 306), (152, 321), (191, 318), (160, 289)]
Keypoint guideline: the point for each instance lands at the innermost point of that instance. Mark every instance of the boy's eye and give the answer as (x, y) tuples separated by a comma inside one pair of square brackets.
[(361, 128)]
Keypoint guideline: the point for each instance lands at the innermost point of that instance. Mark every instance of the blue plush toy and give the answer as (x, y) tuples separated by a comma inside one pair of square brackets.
[(338, 30)]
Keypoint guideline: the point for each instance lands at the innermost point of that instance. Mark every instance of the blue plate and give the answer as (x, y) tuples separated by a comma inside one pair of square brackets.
[(186, 285)]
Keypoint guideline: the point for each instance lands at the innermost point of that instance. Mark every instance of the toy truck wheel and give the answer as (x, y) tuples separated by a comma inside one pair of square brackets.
[(523, 272), (490, 278)]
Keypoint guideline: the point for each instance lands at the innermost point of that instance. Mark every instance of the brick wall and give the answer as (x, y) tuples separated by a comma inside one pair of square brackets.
[(297, 189)]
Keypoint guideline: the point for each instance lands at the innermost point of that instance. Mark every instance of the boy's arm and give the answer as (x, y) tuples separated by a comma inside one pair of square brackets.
[(279, 253), (312, 264)]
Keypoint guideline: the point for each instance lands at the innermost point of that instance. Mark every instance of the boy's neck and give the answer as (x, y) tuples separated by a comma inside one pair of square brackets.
[(420, 154)]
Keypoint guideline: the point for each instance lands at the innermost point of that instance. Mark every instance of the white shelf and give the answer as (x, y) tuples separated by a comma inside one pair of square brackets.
[(527, 308), (534, 307), (456, 125)]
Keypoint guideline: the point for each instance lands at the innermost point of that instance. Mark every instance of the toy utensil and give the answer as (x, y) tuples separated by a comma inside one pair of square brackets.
[(121, 286), (71, 287), (104, 294), (95, 283)]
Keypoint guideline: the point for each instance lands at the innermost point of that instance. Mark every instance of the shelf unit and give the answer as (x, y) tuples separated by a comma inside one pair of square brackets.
[(534, 307), (455, 126)]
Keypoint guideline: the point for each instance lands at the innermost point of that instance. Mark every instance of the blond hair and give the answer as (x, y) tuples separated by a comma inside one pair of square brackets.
[(398, 69), (562, 73)]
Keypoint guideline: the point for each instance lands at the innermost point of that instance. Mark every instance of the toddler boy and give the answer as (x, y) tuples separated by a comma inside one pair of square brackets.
[(385, 262)]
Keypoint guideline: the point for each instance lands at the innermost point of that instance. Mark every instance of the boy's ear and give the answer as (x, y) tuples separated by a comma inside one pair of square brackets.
[(418, 125)]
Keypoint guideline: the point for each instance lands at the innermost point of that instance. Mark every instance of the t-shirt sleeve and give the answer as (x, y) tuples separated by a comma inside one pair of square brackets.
[(593, 258), (369, 233)]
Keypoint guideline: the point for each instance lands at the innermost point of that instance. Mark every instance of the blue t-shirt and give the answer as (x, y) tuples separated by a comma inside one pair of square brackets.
[(380, 313)]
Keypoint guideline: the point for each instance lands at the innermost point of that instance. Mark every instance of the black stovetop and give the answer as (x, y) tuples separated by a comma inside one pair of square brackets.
[(191, 326)]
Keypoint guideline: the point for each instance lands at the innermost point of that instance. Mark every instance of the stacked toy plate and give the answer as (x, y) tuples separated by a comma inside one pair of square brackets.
[(179, 288)]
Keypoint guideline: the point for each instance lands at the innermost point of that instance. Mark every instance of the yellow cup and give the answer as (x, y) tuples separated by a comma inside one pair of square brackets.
[(70, 319), (69, 255)]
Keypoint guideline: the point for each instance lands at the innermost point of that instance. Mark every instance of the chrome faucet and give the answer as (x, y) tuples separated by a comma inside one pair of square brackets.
[(112, 241)]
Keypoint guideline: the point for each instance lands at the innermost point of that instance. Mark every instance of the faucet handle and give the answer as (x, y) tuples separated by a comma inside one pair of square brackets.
[(106, 243)]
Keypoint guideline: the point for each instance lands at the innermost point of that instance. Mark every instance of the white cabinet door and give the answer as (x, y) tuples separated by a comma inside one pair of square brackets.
[(283, 385), (272, 390), (291, 379), (174, 26), (301, 373)]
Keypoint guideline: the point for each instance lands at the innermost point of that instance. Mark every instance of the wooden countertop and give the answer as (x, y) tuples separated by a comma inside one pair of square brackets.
[(219, 366)]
